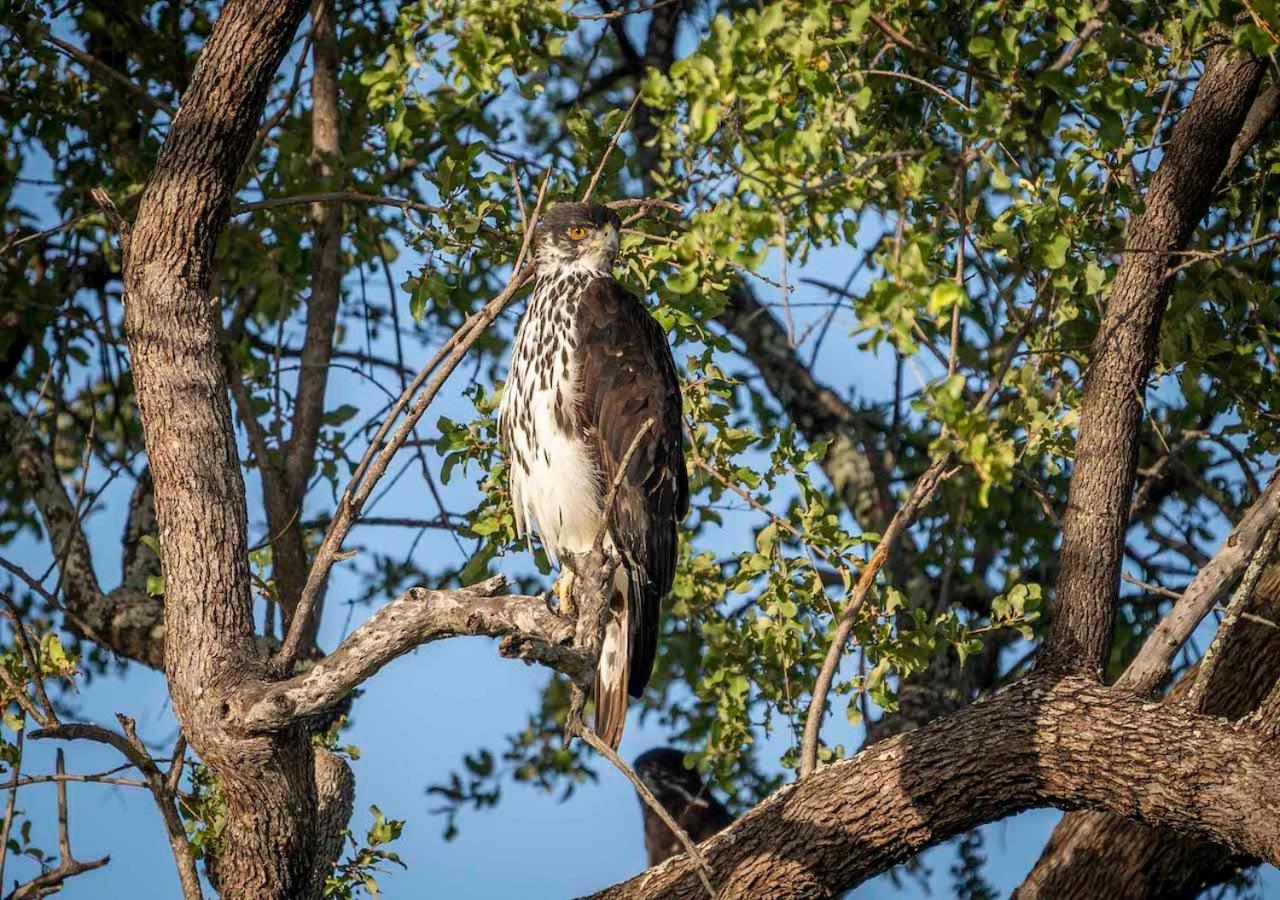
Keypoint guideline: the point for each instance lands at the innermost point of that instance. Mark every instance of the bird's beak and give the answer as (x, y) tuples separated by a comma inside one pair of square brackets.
[(606, 239)]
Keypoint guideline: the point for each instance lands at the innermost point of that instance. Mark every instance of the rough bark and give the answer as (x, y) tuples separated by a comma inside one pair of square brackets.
[(1097, 854), (1069, 743), (1097, 516), (268, 847)]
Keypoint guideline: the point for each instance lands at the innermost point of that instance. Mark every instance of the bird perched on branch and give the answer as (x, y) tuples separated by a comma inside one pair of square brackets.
[(682, 793), (592, 379)]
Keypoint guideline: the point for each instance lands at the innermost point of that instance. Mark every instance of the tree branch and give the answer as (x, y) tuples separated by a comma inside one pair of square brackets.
[(1069, 743), (1093, 529), (1150, 667), (126, 621), (416, 617)]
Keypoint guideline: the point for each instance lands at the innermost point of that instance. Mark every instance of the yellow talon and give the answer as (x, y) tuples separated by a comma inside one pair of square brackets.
[(563, 591)]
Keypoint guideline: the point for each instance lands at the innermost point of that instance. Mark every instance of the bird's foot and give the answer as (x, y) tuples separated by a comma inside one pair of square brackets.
[(562, 590)]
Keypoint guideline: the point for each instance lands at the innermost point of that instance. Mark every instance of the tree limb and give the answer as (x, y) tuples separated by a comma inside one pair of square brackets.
[(1069, 743), (1093, 529), (416, 617), (126, 621)]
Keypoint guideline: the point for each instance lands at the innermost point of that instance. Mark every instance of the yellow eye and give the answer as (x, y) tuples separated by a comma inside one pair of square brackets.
[(577, 232)]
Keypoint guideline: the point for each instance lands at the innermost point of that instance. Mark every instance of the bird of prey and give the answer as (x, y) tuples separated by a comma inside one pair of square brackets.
[(590, 367), (682, 793)]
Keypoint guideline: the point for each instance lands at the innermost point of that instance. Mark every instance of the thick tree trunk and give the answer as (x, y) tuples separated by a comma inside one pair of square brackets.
[(268, 846), (1097, 517)]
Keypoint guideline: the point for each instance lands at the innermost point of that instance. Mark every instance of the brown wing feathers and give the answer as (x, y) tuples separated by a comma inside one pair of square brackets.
[(627, 376)]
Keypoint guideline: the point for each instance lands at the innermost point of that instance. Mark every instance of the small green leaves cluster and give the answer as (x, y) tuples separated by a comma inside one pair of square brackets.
[(357, 873)]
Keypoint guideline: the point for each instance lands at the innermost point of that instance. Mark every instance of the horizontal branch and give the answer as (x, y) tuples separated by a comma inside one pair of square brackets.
[(1068, 743), (416, 617)]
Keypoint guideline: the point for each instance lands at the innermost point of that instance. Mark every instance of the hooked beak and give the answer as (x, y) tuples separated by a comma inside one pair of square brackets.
[(605, 239)]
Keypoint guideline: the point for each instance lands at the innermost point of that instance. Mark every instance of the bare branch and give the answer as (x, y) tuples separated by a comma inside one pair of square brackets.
[(133, 750), (702, 867), (920, 496), (68, 867), (608, 151), (1213, 656), (416, 617), (97, 65)]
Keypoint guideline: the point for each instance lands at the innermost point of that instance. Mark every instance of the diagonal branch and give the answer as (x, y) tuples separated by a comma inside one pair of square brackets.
[(1093, 529), (1150, 667)]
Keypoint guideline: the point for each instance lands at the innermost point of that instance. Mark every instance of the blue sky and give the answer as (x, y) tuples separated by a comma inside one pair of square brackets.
[(418, 716)]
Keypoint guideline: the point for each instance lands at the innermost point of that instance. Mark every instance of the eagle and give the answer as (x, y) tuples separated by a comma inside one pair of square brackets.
[(683, 794), (591, 374)]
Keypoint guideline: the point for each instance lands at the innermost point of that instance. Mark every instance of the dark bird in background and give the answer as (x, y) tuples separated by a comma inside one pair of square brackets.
[(682, 793), (589, 368)]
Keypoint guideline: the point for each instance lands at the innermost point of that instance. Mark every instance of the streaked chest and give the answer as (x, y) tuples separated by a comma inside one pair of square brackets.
[(553, 477)]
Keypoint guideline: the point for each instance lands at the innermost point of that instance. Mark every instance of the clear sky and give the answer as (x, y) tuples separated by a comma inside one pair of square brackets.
[(418, 716)]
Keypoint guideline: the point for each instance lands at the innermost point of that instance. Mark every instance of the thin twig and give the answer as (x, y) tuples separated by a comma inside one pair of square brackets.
[(51, 881), (782, 266), (902, 41), (613, 142), (39, 235), (920, 495), (92, 62), (700, 863), (31, 659), (11, 803), (620, 13)]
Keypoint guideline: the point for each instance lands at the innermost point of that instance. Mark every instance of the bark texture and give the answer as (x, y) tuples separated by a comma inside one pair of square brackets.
[(1096, 854), (172, 328), (1097, 516), (1069, 743), (289, 490)]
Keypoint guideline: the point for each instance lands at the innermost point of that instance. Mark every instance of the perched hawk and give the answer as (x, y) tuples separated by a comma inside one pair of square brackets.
[(682, 793), (589, 368)]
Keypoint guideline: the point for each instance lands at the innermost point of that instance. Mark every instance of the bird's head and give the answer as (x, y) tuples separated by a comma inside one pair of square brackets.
[(578, 235), (662, 771)]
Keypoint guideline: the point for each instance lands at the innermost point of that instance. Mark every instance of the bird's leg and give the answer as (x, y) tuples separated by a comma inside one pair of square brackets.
[(566, 605)]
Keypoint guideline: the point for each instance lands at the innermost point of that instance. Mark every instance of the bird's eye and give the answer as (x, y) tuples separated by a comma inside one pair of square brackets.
[(577, 232)]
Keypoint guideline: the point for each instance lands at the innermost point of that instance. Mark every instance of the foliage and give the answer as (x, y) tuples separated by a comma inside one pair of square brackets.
[(967, 184), (357, 873)]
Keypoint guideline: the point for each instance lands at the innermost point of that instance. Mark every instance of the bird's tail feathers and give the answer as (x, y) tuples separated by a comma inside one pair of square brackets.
[(612, 675)]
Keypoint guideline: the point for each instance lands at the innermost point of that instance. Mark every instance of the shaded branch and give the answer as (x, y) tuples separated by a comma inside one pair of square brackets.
[(1069, 743), (1150, 667)]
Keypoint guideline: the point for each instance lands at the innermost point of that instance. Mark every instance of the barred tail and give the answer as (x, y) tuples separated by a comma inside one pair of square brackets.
[(612, 675)]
